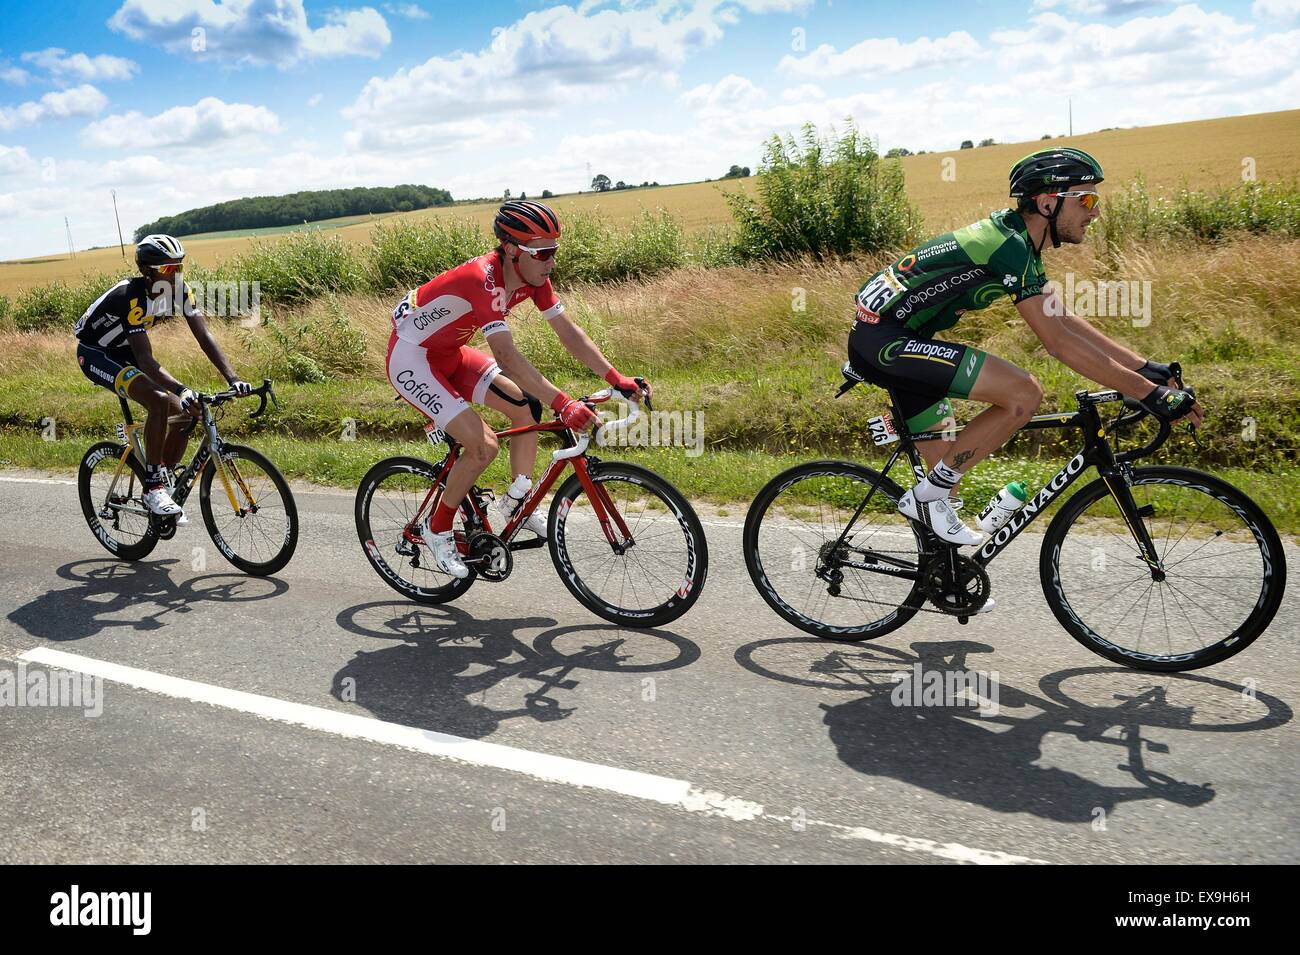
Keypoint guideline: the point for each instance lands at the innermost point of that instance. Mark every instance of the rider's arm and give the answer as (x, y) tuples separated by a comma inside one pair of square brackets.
[(579, 344), (1078, 352), (519, 369), (199, 328), (147, 363), (1107, 346)]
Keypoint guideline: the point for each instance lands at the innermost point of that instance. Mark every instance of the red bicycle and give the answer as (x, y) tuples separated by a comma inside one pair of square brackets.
[(625, 542)]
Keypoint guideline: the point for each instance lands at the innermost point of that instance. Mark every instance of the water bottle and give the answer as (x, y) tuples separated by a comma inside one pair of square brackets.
[(516, 493), (1003, 504)]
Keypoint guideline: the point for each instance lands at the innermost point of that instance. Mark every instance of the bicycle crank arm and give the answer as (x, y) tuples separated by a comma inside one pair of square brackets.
[(528, 544)]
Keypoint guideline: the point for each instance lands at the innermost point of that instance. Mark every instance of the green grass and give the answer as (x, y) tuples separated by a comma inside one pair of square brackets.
[(725, 480)]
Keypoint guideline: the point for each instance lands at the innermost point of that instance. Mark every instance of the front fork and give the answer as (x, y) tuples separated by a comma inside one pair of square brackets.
[(1119, 480), (611, 521)]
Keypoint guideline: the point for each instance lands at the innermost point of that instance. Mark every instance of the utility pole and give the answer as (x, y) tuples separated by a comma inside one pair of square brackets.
[(68, 229), (120, 244), (1071, 102)]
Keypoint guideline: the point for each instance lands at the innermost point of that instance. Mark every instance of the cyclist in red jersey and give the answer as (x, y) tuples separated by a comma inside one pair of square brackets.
[(431, 365)]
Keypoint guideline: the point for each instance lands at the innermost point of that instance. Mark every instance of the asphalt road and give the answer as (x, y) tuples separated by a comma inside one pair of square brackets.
[(318, 717)]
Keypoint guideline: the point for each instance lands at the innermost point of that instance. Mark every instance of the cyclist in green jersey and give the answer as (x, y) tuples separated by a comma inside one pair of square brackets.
[(904, 305)]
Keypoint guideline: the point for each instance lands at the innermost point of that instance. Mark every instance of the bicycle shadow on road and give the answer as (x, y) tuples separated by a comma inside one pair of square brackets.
[(985, 746), (114, 594), (439, 676)]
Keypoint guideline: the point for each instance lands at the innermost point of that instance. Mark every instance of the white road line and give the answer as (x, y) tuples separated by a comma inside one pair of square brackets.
[(34, 481), (677, 793)]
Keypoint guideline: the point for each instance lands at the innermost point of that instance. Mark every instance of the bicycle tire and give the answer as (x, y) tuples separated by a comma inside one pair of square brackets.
[(697, 551), (1273, 559), (94, 456), (290, 542), (906, 609), (375, 551)]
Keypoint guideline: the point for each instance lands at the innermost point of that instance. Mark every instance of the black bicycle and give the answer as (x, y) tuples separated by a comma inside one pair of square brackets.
[(252, 518), (1158, 568)]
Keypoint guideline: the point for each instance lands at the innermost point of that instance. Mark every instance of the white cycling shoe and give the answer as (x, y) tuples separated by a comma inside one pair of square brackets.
[(181, 519), (159, 501), (536, 521), (445, 554), (940, 518)]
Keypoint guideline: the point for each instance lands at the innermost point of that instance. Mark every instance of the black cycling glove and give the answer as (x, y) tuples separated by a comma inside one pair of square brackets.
[(1168, 404)]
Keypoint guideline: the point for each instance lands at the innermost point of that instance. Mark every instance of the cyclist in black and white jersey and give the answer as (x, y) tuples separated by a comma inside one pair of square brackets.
[(113, 351)]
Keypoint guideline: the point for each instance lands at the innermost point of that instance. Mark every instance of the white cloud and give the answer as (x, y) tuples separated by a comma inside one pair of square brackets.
[(315, 100), (464, 135), (410, 11), (64, 66), (251, 31), (1099, 7), (15, 161), (1187, 43), (1283, 12), (82, 100), (730, 92), (208, 121), (548, 57), (15, 75), (802, 92), (883, 56)]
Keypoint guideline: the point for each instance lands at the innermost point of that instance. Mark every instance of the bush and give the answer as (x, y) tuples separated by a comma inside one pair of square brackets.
[(406, 253), (1133, 216), (5, 311), (823, 197), (592, 251), (299, 266), (309, 347), (59, 304)]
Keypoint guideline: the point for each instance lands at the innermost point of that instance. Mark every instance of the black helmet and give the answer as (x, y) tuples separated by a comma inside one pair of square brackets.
[(154, 250), (520, 221), (1055, 166)]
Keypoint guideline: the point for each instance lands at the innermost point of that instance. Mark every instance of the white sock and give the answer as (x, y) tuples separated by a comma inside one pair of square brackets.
[(938, 483)]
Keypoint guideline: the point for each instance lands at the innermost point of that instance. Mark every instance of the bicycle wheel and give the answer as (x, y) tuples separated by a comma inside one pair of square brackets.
[(388, 501), (119, 520), (660, 574), (254, 520), (1223, 571), (843, 592)]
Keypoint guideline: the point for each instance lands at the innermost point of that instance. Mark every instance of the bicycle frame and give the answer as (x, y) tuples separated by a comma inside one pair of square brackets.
[(129, 431), (611, 521), (1114, 470)]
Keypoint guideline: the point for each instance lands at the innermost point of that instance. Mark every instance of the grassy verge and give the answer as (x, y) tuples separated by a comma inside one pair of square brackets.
[(725, 481)]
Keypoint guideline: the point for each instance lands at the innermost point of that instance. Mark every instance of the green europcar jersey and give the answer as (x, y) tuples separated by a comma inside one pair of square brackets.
[(930, 288)]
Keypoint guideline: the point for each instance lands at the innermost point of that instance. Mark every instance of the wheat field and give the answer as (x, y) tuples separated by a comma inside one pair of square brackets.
[(950, 188)]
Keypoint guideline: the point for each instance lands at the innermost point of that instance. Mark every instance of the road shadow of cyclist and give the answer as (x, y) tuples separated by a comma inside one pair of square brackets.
[(440, 675), (112, 594), (930, 721)]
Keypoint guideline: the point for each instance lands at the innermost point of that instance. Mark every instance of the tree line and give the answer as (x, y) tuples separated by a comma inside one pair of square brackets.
[(257, 212)]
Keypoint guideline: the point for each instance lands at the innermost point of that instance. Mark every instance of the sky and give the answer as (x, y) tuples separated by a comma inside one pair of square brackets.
[(176, 104)]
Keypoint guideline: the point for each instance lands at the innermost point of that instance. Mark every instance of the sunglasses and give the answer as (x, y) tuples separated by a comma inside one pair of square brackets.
[(170, 269), (541, 255), (1090, 200)]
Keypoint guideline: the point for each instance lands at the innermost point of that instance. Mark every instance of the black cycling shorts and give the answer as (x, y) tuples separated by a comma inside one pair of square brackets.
[(922, 373), (111, 369)]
